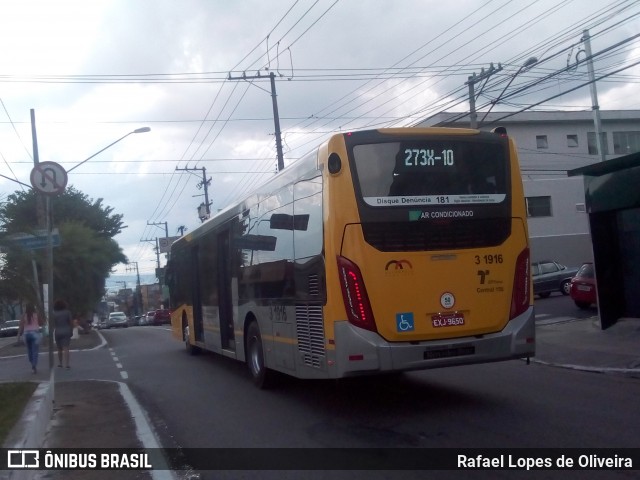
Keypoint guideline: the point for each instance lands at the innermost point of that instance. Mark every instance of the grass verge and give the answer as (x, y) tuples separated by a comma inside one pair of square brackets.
[(13, 399)]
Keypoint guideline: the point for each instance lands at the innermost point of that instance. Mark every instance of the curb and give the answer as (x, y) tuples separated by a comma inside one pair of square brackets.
[(32, 426), (583, 368)]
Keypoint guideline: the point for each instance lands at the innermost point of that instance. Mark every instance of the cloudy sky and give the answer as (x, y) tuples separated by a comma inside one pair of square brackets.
[(93, 71)]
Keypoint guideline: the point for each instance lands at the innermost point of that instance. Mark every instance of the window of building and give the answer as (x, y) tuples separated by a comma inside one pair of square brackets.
[(572, 141), (538, 206), (625, 143), (593, 146), (541, 141)]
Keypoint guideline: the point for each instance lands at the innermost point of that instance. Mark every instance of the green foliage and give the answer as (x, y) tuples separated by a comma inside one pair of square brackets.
[(13, 398), (81, 263), (20, 212)]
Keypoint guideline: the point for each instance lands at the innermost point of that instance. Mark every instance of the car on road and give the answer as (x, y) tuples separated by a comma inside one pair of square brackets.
[(583, 287), (9, 328), (117, 319), (148, 318), (161, 317), (549, 276)]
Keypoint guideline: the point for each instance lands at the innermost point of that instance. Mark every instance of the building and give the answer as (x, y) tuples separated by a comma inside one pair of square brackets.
[(549, 145), (151, 297), (613, 204)]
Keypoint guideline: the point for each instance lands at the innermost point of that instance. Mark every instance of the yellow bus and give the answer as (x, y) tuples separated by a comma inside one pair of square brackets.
[(381, 251)]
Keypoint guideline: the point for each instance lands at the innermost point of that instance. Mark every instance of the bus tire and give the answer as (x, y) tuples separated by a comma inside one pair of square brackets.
[(255, 357)]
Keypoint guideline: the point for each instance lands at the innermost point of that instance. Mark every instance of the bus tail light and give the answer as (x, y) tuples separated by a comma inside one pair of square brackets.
[(354, 294), (520, 297)]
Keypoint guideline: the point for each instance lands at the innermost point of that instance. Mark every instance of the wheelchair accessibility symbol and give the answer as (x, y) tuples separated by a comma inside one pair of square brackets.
[(404, 322)]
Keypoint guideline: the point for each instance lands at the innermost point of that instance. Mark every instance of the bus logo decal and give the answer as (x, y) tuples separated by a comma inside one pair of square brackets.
[(483, 276), (404, 322), (447, 300), (399, 265)]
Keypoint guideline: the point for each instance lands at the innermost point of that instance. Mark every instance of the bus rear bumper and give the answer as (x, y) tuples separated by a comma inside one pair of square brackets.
[(360, 351)]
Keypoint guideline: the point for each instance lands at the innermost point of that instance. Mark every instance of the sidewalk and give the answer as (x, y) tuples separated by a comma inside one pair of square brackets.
[(580, 344), (94, 413)]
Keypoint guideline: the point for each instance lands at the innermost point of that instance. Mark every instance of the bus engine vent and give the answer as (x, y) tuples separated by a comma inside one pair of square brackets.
[(310, 333)]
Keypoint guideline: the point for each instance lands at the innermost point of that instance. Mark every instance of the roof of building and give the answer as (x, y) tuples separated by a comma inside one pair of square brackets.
[(608, 166), (492, 118)]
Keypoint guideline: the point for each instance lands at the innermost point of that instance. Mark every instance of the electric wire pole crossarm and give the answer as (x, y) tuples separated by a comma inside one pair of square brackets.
[(472, 80), (204, 183), (157, 247), (276, 116), (531, 61)]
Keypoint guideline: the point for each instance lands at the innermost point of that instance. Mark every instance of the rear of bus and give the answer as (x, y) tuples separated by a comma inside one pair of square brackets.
[(426, 248)]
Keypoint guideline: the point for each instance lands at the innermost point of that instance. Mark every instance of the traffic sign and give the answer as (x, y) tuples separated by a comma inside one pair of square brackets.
[(49, 178), (36, 241)]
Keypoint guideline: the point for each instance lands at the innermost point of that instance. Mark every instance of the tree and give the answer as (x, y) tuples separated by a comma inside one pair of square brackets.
[(20, 212), (81, 263)]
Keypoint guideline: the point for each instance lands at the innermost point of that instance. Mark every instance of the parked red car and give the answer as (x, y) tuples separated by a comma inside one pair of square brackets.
[(583, 287), (162, 317)]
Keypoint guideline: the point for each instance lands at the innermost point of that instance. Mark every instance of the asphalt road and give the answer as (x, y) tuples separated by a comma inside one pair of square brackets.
[(209, 401), (558, 307)]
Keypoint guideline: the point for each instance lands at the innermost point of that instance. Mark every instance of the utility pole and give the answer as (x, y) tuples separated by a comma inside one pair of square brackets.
[(276, 116), (157, 224), (156, 248), (138, 290), (471, 81), (594, 94), (166, 234), (44, 215), (204, 183)]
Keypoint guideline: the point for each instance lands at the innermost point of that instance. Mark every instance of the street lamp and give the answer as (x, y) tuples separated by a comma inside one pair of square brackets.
[(137, 130), (531, 61), (49, 215)]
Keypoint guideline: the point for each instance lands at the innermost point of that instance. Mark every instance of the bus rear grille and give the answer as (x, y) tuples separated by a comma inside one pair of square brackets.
[(310, 333), (436, 235), (314, 285)]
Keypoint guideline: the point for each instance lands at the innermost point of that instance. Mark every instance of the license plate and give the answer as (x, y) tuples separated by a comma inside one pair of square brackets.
[(584, 288), (447, 320)]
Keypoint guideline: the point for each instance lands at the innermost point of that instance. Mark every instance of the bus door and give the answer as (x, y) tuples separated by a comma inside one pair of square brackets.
[(225, 307), (197, 302)]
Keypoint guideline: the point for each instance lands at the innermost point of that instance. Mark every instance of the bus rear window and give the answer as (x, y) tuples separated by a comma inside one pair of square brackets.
[(431, 172)]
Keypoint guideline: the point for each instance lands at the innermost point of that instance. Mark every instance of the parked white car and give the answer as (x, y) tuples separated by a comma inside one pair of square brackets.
[(117, 319)]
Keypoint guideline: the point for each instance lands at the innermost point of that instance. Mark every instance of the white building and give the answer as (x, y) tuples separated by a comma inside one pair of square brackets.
[(550, 144)]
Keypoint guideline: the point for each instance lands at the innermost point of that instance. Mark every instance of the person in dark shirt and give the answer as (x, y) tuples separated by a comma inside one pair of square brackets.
[(63, 324)]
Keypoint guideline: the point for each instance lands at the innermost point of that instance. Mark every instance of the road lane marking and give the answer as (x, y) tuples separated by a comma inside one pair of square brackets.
[(145, 432)]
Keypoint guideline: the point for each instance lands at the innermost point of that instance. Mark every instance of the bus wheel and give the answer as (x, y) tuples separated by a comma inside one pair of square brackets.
[(255, 357)]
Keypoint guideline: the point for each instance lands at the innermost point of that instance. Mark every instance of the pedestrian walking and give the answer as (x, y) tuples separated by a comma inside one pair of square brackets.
[(30, 324), (63, 324)]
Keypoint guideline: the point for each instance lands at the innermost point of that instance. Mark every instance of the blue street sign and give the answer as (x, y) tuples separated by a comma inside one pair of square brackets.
[(34, 242)]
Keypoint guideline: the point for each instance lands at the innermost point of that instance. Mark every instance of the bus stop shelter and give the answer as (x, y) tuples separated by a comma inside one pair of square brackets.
[(612, 199)]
